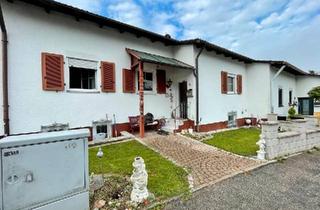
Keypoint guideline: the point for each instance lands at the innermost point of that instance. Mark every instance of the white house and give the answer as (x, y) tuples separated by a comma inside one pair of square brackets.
[(64, 65)]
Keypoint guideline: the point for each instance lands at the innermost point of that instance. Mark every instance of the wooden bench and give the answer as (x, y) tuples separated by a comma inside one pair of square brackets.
[(134, 123)]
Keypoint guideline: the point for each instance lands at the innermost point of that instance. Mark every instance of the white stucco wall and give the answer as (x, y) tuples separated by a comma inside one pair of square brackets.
[(185, 53), (214, 106), (32, 31), (287, 82), (258, 89), (305, 84)]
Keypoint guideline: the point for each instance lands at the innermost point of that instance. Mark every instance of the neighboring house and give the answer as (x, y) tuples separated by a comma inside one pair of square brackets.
[(78, 69)]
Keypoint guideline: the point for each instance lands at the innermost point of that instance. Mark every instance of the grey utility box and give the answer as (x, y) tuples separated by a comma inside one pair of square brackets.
[(45, 171)]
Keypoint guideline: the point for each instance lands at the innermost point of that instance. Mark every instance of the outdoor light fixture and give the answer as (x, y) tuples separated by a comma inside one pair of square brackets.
[(169, 83)]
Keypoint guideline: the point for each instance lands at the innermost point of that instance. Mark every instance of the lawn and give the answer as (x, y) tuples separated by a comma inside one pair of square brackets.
[(165, 179), (241, 141)]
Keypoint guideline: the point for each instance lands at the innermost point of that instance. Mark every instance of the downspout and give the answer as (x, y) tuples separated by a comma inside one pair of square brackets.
[(5, 75), (271, 86), (196, 74)]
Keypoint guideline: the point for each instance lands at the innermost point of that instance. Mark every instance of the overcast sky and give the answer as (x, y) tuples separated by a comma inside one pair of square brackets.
[(262, 29)]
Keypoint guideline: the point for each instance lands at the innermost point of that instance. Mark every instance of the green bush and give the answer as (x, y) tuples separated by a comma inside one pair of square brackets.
[(291, 112)]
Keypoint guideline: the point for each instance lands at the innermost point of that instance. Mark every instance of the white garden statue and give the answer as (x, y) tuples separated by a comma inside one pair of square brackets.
[(261, 153), (139, 181)]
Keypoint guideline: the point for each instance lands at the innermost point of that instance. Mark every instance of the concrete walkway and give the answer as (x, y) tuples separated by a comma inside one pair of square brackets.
[(206, 164), (293, 184)]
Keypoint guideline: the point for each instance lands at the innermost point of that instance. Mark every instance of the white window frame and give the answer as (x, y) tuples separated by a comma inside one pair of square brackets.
[(234, 83), (80, 90), (153, 91)]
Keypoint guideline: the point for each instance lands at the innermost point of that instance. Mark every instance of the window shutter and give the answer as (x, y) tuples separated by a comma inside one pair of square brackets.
[(128, 79), (52, 72), (224, 78), (161, 81), (239, 84), (108, 77)]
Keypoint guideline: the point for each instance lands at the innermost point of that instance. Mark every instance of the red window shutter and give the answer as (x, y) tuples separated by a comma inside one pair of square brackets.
[(161, 81), (128, 77), (52, 72), (239, 84), (224, 81), (108, 77)]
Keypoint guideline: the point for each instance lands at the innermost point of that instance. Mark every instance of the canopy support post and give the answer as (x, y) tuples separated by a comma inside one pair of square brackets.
[(141, 100)]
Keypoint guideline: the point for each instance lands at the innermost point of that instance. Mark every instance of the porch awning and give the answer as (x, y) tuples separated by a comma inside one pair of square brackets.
[(158, 59)]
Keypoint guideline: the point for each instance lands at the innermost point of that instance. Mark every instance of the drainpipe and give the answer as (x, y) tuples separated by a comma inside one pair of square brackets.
[(5, 74), (196, 74), (271, 86)]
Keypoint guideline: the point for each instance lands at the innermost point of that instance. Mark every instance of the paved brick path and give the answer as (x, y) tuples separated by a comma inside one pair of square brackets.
[(206, 163)]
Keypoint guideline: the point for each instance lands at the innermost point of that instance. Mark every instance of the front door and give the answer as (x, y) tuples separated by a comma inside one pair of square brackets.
[(183, 99), (306, 106)]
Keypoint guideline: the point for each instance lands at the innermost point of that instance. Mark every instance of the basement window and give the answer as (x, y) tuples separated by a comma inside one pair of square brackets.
[(232, 119), (82, 74), (101, 129)]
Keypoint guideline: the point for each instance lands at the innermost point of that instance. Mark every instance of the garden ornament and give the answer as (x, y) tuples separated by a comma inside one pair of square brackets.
[(139, 181)]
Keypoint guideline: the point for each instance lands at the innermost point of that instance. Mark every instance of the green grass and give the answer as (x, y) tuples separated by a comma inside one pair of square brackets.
[(165, 179), (241, 141)]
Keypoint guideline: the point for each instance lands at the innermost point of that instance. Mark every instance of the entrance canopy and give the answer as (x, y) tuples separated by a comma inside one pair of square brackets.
[(138, 58), (157, 59)]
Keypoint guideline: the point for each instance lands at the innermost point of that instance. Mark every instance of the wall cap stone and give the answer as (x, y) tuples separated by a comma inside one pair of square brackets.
[(270, 123), (288, 134)]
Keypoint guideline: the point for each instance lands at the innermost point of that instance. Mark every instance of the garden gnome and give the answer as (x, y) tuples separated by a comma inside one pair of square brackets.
[(139, 181)]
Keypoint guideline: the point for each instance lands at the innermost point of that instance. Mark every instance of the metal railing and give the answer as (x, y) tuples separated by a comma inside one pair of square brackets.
[(180, 112)]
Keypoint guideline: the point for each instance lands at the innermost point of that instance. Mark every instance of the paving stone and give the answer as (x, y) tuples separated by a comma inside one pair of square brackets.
[(207, 164)]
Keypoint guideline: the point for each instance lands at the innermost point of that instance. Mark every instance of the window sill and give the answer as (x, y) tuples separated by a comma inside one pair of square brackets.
[(82, 91), (231, 93)]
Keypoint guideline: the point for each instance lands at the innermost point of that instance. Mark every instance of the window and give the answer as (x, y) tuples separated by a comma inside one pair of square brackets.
[(81, 78), (102, 129), (82, 74), (147, 81), (232, 117), (290, 97), (231, 84), (280, 101)]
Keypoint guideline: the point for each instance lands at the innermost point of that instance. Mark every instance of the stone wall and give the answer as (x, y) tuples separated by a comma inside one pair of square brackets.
[(311, 123), (298, 137)]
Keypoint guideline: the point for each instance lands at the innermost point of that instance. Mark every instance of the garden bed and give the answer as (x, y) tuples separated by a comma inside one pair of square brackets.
[(165, 179)]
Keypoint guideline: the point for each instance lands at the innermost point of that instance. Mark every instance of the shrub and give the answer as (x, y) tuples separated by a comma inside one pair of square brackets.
[(291, 112)]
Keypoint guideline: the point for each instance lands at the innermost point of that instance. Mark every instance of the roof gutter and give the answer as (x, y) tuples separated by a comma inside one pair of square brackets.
[(196, 74), (5, 74), (271, 86)]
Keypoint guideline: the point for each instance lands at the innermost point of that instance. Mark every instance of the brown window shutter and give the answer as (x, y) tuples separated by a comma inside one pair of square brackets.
[(108, 83), (161, 81), (128, 77), (239, 84), (224, 78), (52, 72)]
